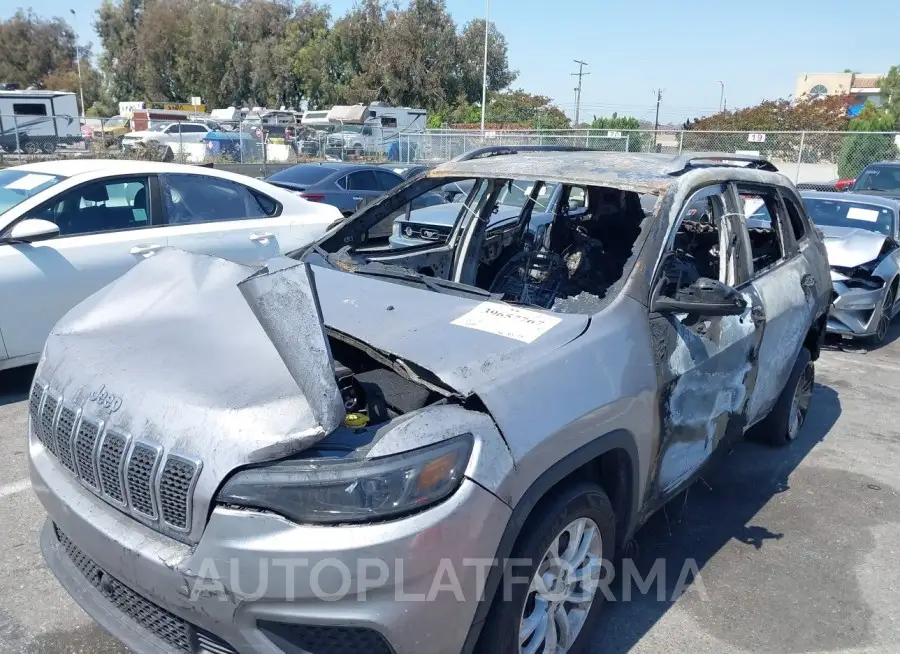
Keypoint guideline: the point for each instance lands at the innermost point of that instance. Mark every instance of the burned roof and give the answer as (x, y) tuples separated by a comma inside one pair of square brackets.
[(636, 171)]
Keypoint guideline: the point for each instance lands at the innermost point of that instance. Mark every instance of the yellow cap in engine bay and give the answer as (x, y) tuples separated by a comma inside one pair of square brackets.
[(356, 420)]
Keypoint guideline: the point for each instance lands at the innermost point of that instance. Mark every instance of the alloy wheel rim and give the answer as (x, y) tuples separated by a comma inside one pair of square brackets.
[(884, 320), (562, 590), (801, 401)]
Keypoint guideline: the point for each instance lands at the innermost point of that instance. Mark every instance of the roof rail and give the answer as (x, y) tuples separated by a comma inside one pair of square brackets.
[(499, 150), (688, 160)]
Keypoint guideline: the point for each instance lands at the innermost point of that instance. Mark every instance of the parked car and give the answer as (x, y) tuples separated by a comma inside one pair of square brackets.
[(882, 178), (406, 171), (434, 223), (862, 236), (246, 441), (347, 186), (165, 139), (67, 228)]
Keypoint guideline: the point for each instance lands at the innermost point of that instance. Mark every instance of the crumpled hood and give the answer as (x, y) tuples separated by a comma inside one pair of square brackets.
[(228, 364), (849, 247), (192, 368)]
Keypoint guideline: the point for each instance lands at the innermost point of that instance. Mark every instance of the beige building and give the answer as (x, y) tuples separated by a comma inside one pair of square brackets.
[(863, 87)]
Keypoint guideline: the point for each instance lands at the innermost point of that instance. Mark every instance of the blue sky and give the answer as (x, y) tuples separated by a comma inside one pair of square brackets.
[(757, 48)]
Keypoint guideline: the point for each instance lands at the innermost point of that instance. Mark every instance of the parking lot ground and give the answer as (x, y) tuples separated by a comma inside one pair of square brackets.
[(797, 548)]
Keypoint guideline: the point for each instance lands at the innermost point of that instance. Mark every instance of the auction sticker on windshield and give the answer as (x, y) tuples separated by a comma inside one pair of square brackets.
[(858, 213), (512, 322), (29, 182)]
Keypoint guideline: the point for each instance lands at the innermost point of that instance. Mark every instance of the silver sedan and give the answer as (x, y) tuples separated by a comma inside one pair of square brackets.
[(862, 236)]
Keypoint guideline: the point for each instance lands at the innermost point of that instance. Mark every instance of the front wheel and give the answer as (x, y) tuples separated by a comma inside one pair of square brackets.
[(30, 147), (884, 320), (565, 544)]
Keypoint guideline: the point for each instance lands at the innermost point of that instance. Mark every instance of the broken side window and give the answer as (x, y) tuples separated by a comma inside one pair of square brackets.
[(696, 249), (762, 215)]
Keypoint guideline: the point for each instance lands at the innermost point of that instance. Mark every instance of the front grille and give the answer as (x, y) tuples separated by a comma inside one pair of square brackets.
[(426, 232), (324, 639), (48, 413), (174, 490), (169, 628), (65, 426), (112, 453), (85, 440), (140, 475), (124, 473)]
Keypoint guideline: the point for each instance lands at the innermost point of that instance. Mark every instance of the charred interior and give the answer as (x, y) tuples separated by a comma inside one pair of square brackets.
[(542, 244)]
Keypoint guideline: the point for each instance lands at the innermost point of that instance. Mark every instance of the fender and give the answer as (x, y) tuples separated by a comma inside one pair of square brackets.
[(618, 439)]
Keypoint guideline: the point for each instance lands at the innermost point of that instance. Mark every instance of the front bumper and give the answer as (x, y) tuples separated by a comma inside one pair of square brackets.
[(855, 311), (259, 583)]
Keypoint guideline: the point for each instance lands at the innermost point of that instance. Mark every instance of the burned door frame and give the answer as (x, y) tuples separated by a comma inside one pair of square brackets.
[(704, 364), (788, 300)]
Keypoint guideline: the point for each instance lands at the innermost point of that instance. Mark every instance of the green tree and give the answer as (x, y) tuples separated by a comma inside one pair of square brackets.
[(863, 146), (471, 61), (42, 53), (890, 94), (632, 138), (117, 24)]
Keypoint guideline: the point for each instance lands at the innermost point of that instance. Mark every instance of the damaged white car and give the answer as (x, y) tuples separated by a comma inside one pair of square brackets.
[(862, 236), (366, 448)]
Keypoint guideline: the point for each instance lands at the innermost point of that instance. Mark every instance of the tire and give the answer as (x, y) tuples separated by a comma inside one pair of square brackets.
[(48, 147), (785, 419), (884, 321), (586, 503), (30, 147), (167, 155)]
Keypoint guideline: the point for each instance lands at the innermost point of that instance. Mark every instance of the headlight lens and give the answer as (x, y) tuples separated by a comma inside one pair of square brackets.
[(334, 491)]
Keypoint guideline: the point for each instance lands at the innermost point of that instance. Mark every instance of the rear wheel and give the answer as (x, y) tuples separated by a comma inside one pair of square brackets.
[(30, 147), (784, 421), (48, 147)]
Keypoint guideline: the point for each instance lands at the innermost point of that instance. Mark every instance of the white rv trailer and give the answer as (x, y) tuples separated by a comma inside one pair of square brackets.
[(38, 121)]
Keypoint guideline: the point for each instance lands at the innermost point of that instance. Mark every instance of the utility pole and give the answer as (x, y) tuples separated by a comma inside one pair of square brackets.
[(487, 30), (721, 96), (580, 74), (78, 64), (656, 121)]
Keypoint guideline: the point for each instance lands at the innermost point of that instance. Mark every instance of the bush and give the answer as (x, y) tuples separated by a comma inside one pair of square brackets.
[(860, 150)]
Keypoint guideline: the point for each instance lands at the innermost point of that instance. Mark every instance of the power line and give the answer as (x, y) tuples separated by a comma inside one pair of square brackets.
[(580, 74)]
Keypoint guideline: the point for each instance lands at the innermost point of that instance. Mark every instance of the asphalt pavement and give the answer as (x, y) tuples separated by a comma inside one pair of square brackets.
[(797, 548)]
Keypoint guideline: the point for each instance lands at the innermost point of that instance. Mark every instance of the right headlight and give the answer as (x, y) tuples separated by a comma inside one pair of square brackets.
[(349, 491)]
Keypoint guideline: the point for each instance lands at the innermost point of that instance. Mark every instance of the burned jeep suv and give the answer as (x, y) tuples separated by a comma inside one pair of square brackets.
[(382, 449)]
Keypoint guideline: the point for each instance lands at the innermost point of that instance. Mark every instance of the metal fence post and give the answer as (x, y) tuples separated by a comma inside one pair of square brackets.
[(16, 131), (680, 141), (800, 157)]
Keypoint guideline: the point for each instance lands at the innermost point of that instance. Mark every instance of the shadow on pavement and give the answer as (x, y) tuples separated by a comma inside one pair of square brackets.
[(15, 384), (776, 547)]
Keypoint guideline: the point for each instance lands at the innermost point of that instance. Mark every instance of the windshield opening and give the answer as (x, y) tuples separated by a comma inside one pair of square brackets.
[(840, 213), (879, 178), (16, 186), (546, 245)]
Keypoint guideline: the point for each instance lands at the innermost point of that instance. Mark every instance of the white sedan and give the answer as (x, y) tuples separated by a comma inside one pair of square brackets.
[(68, 228)]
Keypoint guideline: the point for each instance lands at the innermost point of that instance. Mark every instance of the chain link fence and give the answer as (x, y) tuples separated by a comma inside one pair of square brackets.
[(812, 159)]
